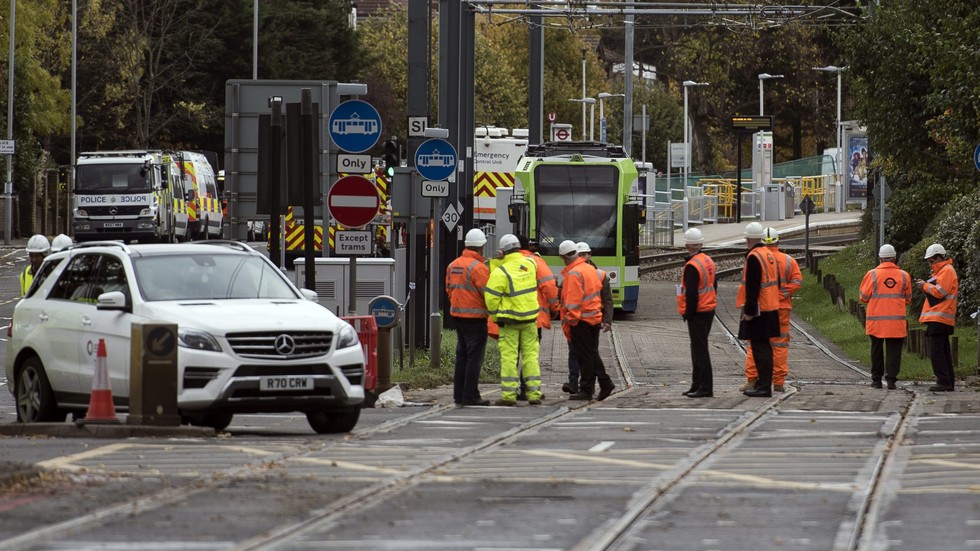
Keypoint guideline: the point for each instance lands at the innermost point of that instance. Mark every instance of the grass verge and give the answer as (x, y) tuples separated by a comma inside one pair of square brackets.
[(419, 374)]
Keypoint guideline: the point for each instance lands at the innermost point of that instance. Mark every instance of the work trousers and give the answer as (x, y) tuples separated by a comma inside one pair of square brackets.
[(762, 351), (940, 354), (585, 346), (519, 340), (471, 343), (780, 352), (886, 358), (698, 328), (574, 369)]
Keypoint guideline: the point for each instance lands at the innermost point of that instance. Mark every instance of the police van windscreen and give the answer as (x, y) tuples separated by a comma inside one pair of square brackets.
[(111, 178)]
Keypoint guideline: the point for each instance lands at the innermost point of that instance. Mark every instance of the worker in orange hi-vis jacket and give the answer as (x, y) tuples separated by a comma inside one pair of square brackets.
[(790, 281), (887, 290)]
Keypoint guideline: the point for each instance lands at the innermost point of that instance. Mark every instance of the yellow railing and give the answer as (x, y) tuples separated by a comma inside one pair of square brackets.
[(726, 189)]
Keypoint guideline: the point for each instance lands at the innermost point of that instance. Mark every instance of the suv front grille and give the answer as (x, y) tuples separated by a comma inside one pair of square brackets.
[(276, 345)]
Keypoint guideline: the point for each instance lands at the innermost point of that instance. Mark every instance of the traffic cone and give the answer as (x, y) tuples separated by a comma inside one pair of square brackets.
[(100, 408)]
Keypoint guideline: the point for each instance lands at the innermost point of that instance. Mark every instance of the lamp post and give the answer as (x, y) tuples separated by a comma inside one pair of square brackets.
[(839, 160), (584, 50), (602, 113), (687, 145), (584, 102), (763, 77)]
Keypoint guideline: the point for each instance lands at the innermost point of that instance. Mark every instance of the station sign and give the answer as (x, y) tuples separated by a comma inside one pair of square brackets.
[(435, 188), (355, 126), (352, 242), (749, 124), (7, 147)]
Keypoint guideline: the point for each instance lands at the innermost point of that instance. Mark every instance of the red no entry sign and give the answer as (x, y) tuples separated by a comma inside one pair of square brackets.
[(353, 201)]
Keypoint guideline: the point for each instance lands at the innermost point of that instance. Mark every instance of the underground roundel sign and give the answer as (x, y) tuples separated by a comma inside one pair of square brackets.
[(353, 201)]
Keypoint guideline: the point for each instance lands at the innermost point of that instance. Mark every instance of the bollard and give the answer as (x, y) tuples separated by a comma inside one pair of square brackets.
[(820, 278)]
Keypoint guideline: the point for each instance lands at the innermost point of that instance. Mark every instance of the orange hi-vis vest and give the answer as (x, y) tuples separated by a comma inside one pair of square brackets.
[(790, 278), (769, 288), (466, 278), (547, 290), (887, 290), (581, 292), (707, 297), (943, 288)]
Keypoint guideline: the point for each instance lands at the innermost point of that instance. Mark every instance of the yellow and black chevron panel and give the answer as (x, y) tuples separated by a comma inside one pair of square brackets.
[(485, 184)]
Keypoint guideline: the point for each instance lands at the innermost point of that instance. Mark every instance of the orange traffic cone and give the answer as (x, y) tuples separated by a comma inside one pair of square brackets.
[(100, 408)]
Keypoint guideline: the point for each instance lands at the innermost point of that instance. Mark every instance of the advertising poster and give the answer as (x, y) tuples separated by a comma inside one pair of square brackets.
[(856, 167)]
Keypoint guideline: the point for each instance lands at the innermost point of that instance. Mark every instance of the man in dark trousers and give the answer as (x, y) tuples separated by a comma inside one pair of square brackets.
[(939, 315), (696, 301), (466, 280), (758, 297), (887, 290)]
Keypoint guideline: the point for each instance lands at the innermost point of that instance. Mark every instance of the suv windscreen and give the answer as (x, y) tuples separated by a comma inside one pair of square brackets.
[(203, 276)]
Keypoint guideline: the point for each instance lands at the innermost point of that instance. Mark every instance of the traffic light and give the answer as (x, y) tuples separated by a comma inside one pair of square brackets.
[(392, 157)]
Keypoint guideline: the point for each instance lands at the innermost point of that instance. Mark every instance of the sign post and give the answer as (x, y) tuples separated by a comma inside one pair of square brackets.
[(387, 314)]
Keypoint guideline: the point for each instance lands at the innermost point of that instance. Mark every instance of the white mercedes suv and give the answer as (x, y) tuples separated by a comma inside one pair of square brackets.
[(249, 340)]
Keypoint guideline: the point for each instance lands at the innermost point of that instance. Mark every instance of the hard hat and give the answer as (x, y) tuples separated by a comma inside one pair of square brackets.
[(475, 238), (60, 242), (38, 244), (935, 249), (754, 230), (886, 251), (583, 247), (567, 247), (770, 236), (693, 236), (509, 242)]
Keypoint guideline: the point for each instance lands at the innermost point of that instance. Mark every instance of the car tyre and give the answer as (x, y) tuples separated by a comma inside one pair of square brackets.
[(218, 420), (332, 422), (34, 396)]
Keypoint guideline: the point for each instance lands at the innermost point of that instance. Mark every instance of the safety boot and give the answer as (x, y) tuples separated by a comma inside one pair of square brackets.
[(778, 388), (750, 383)]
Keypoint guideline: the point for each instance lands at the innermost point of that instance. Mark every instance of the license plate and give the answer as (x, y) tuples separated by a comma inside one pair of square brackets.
[(286, 382), (113, 224)]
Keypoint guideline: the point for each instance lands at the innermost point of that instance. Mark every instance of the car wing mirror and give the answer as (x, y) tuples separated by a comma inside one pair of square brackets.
[(113, 300)]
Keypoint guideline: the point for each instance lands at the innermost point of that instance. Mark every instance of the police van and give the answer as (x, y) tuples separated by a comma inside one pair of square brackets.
[(125, 195), (205, 219)]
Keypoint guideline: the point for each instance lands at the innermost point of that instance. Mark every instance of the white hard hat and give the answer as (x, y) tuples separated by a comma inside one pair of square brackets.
[(475, 238), (693, 236), (886, 251), (509, 242), (583, 247), (567, 247), (770, 236), (754, 230), (38, 244), (935, 249), (60, 242)]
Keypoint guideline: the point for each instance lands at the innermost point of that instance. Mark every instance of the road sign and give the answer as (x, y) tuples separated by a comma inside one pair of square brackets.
[(417, 126), (976, 157), (353, 201), (878, 214), (807, 206), (7, 147), (435, 188), (450, 217), (882, 191), (385, 310), (355, 126), (552, 117), (435, 159), (357, 164), (352, 242)]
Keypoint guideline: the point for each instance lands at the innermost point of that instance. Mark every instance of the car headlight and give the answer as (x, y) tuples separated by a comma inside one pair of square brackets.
[(347, 337), (197, 340)]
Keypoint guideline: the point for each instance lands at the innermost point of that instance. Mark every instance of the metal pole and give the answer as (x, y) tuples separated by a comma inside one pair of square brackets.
[(643, 136), (840, 154), (70, 184), (687, 162), (8, 188), (255, 40), (628, 85), (583, 90), (435, 316), (761, 110), (602, 119), (592, 122)]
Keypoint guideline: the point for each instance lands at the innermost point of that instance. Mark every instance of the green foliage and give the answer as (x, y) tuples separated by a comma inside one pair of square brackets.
[(421, 375)]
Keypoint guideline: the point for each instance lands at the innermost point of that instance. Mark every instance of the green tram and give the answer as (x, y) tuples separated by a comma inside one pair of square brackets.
[(583, 191)]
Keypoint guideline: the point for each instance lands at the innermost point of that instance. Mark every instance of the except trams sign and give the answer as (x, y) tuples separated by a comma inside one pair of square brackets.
[(352, 242)]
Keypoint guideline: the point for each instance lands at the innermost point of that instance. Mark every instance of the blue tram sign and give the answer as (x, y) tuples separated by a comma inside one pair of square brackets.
[(355, 126), (435, 159)]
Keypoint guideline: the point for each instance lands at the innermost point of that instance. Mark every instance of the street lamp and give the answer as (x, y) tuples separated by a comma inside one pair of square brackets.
[(762, 77), (687, 145), (839, 161), (602, 113), (591, 103)]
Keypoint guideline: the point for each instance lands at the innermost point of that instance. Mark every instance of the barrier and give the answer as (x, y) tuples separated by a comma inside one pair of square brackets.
[(367, 333)]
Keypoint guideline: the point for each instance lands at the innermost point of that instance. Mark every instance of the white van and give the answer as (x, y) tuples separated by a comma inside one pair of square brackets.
[(204, 216)]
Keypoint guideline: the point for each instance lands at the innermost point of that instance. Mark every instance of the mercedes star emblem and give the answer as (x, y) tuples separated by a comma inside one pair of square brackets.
[(285, 345)]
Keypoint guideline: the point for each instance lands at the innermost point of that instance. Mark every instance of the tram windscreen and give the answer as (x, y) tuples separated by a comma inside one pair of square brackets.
[(576, 202)]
